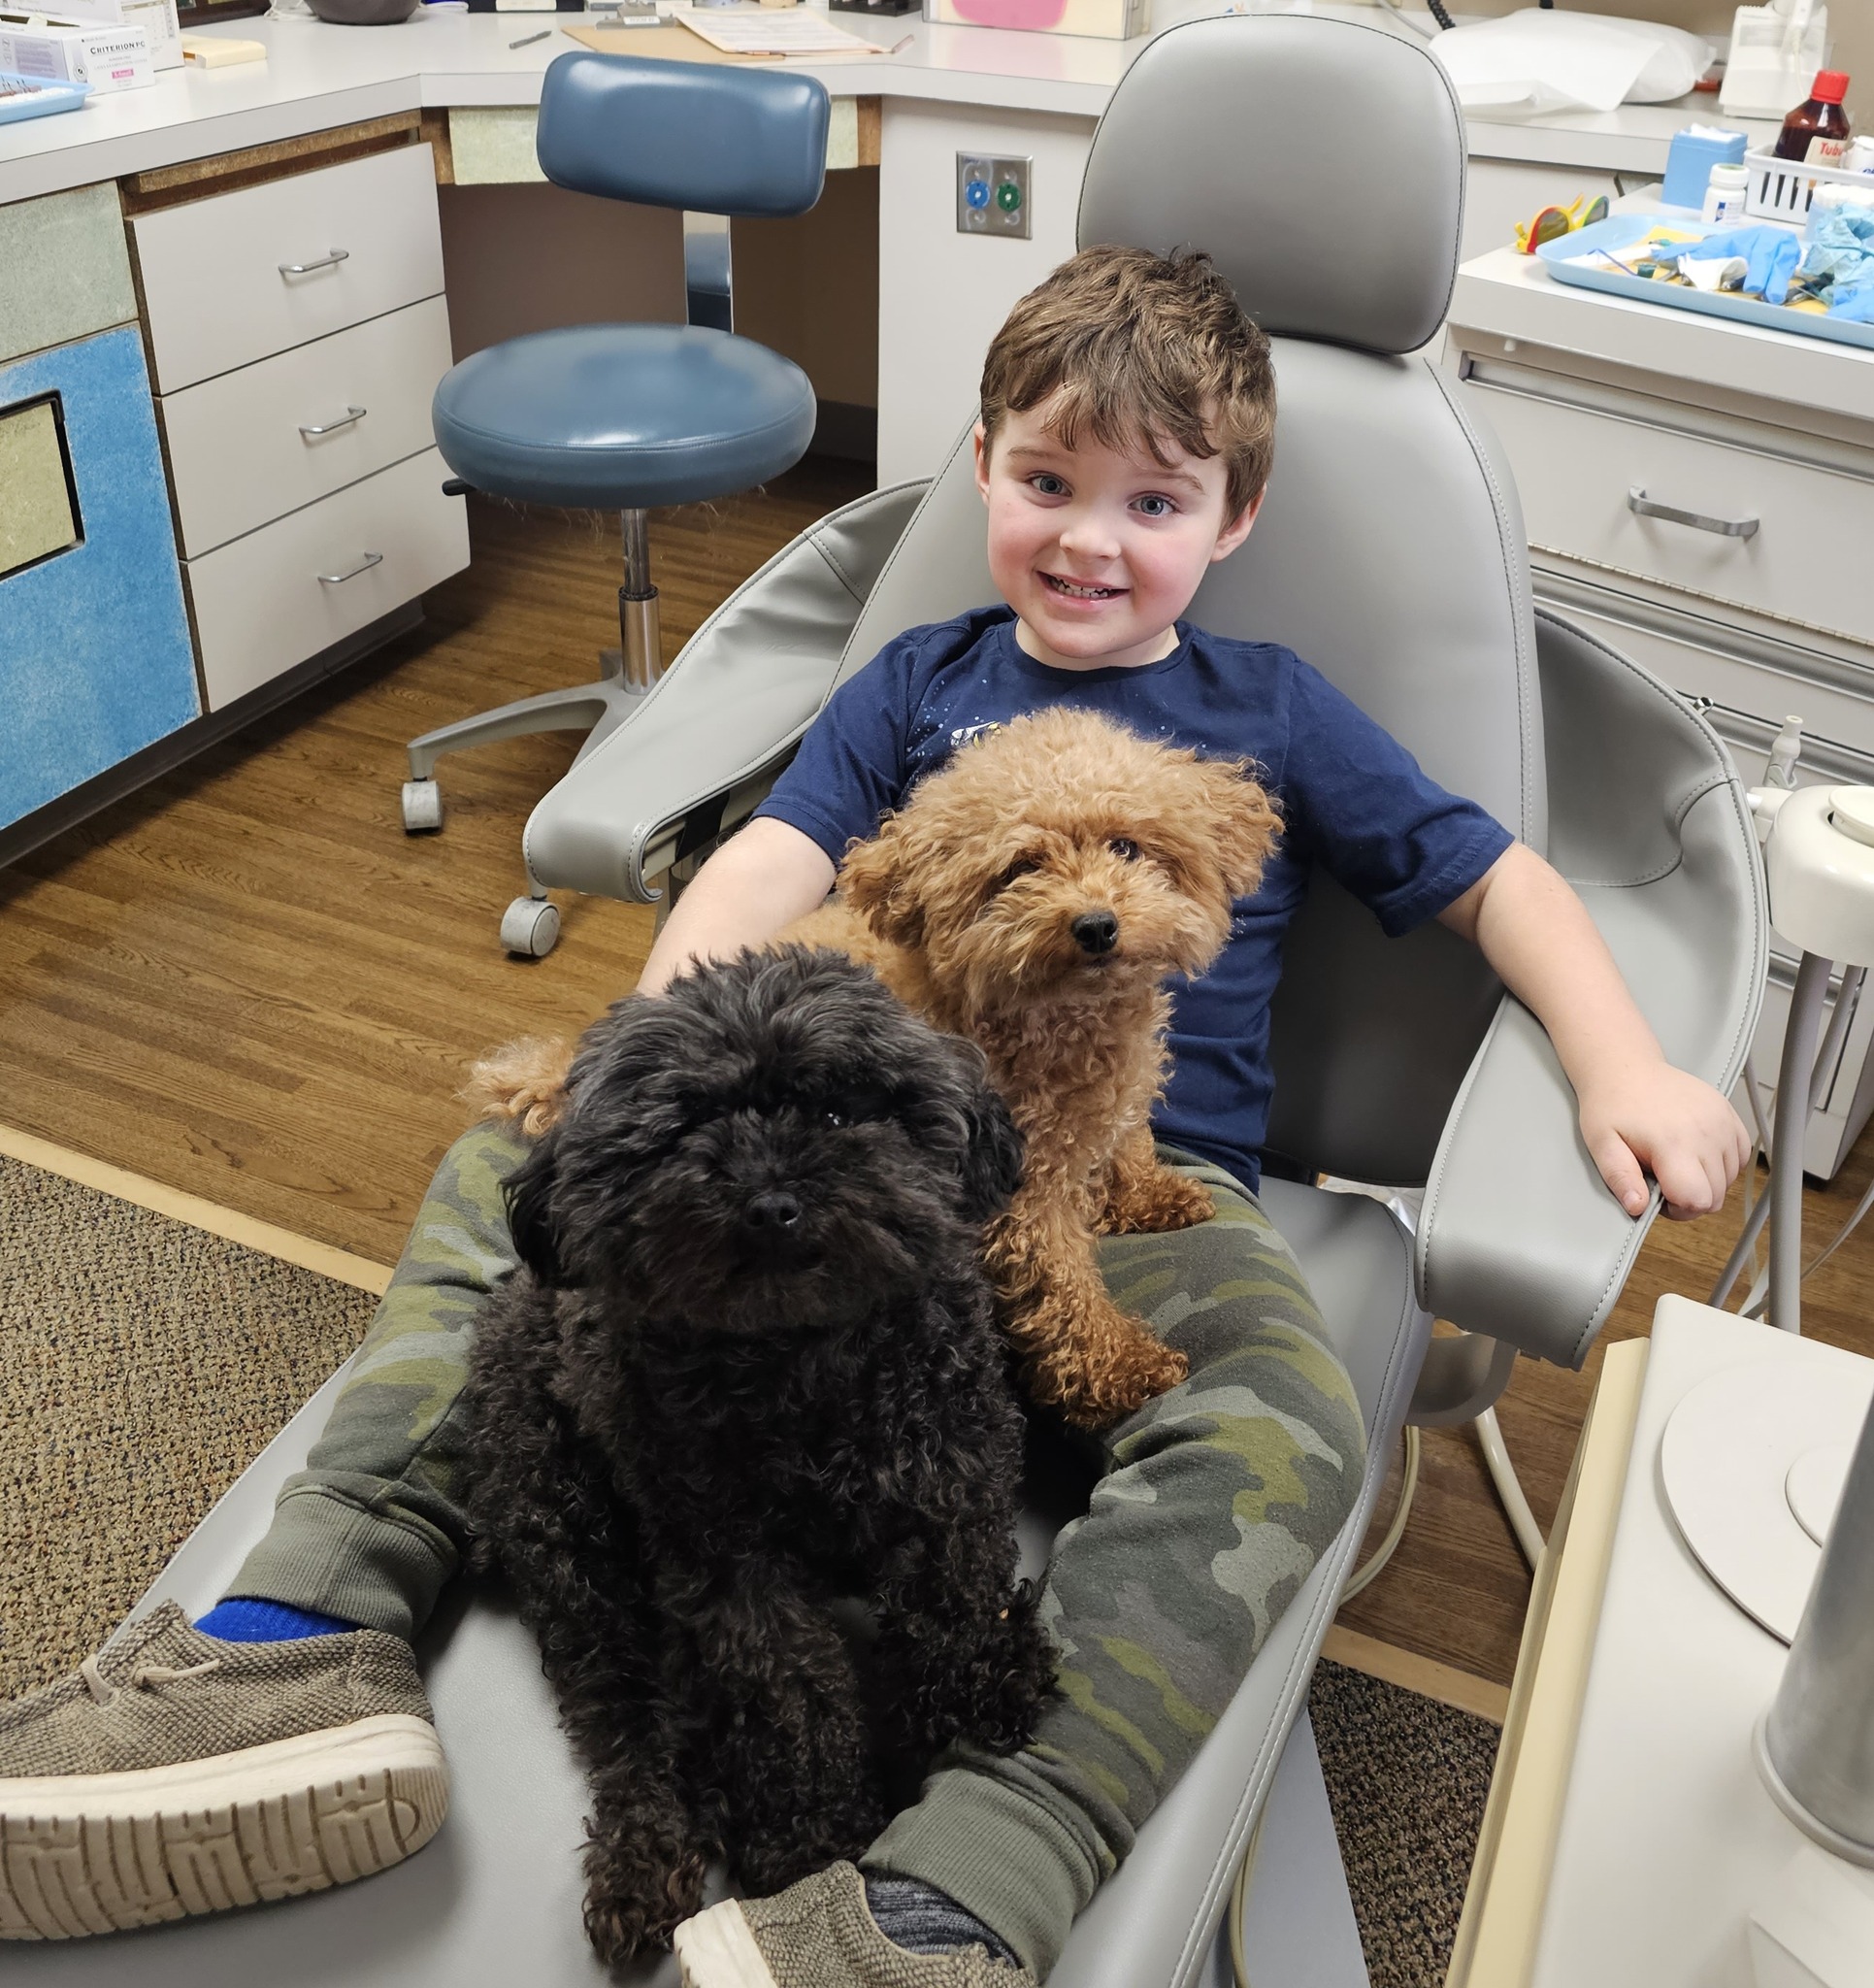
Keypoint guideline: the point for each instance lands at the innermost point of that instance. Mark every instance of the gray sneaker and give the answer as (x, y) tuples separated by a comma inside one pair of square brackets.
[(820, 1933), (175, 1774)]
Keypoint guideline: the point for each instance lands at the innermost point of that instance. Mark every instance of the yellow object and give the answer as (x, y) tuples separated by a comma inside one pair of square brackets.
[(215, 52), (35, 503), (1553, 222)]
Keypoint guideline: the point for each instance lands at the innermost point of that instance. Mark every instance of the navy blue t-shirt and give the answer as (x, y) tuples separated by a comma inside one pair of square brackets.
[(1353, 799)]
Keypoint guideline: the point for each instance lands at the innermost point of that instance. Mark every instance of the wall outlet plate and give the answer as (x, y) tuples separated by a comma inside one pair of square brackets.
[(991, 195)]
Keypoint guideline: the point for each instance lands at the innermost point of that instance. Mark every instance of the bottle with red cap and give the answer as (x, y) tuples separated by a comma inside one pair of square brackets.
[(1815, 133)]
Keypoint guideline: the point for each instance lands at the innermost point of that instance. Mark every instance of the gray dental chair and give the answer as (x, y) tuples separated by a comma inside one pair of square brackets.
[(1391, 554)]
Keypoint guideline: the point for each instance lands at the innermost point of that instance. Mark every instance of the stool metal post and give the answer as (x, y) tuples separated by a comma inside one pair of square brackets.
[(640, 646), (1793, 1105)]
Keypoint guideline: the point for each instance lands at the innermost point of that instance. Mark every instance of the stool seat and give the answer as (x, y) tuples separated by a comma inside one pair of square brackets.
[(622, 416)]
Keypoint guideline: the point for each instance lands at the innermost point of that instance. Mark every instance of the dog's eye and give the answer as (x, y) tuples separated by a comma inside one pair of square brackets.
[(833, 1115), (1124, 849), (1019, 867)]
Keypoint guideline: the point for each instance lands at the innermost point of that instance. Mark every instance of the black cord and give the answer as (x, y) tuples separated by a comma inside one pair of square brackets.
[(1436, 9)]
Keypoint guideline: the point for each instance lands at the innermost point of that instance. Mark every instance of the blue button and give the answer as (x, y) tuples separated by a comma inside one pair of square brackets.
[(975, 192)]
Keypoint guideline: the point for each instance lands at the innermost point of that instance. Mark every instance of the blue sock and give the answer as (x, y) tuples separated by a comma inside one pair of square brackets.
[(243, 1619), (922, 1919)]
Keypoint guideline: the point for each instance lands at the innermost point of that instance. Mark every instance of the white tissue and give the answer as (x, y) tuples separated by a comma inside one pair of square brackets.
[(1539, 61)]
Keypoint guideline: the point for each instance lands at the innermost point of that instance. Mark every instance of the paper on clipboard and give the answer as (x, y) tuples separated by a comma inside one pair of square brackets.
[(773, 32)]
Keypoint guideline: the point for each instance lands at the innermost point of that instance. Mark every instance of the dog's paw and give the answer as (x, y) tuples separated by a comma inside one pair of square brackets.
[(1018, 1671), (1092, 1394), (524, 1082), (1163, 1202), (633, 1902)]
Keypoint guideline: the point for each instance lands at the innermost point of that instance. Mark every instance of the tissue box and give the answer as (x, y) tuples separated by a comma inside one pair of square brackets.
[(1688, 162), (1113, 20), (105, 57)]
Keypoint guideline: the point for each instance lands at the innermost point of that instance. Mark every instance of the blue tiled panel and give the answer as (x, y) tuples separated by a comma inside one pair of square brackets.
[(94, 651)]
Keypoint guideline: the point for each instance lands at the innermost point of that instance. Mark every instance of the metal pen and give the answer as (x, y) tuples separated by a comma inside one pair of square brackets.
[(526, 39)]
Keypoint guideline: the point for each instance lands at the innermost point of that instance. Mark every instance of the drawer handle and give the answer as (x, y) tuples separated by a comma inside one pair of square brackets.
[(364, 565), (324, 262), (1643, 506), (332, 427)]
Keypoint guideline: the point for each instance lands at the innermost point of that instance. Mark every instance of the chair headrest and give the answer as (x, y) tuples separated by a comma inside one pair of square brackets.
[(690, 135), (1321, 164)]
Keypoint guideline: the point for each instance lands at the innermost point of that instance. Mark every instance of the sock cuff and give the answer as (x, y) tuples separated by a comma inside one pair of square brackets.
[(246, 1618)]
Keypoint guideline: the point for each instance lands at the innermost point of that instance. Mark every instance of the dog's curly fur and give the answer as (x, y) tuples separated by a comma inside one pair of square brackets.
[(751, 1366), (965, 902)]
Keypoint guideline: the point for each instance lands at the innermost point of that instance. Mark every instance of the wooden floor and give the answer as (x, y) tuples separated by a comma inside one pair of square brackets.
[(248, 984)]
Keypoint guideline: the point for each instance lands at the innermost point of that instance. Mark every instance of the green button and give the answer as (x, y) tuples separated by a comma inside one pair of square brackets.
[(1009, 196)]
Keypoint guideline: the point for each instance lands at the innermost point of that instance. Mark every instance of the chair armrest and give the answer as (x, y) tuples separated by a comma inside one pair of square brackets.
[(704, 745), (1519, 1238)]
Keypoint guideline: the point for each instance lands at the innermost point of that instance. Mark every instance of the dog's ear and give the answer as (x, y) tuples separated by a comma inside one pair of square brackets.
[(529, 1192), (874, 881), (992, 1161), (1244, 824)]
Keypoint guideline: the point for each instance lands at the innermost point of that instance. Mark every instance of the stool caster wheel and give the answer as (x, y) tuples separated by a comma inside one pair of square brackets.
[(423, 807), (530, 926)]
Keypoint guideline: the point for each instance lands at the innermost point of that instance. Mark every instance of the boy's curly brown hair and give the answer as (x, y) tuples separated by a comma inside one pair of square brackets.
[(1140, 350)]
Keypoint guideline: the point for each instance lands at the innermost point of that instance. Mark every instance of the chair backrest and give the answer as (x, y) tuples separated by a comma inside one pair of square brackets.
[(1391, 552), (693, 135)]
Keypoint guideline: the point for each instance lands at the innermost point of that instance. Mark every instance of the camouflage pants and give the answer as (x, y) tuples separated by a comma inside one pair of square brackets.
[(1212, 1505)]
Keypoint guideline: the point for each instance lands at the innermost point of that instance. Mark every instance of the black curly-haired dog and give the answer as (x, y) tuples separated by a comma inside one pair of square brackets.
[(749, 1372)]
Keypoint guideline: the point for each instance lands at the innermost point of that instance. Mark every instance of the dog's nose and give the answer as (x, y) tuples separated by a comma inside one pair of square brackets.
[(774, 1209), (1096, 932)]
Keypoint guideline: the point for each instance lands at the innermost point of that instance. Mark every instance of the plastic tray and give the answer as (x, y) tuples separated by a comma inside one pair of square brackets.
[(42, 100), (1620, 229)]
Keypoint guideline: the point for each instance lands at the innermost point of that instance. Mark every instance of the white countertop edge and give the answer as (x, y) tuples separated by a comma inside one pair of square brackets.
[(319, 77)]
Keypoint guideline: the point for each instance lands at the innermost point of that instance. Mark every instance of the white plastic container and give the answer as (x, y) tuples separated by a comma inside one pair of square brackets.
[(1726, 193), (1781, 190)]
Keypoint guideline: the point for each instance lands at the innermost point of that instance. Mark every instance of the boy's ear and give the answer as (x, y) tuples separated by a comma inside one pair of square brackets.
[(872, 881), (1238, 528), (1244, 823), (981, 441)]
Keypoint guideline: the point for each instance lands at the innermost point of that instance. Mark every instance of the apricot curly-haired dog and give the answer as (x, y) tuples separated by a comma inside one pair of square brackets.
[(1036, 895)]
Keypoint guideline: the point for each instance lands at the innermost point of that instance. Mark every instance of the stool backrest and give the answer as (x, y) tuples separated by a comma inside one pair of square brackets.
[(693, 135)]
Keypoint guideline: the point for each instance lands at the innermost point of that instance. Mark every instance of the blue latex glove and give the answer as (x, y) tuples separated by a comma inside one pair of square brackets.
[(1770, 257)]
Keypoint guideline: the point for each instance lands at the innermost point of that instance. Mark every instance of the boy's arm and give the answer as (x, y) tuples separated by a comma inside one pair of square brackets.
[(761, 879), (1638, 1113)]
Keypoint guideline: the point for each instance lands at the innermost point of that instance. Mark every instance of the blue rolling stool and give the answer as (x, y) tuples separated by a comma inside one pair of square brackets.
[(623, 417)]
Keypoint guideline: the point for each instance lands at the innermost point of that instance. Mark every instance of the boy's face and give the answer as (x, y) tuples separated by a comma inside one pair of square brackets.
[(1098, 550)]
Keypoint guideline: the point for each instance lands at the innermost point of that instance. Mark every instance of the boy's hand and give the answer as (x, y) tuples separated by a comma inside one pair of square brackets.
[(1651, 1118)]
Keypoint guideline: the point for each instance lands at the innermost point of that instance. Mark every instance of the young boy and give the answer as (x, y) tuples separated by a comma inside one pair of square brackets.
[(1127, 415)]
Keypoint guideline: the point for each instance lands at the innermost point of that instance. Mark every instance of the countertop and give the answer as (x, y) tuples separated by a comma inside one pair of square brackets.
[(318, 76)]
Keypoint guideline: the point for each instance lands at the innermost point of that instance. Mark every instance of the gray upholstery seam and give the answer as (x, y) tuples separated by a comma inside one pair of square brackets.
[(1523, 610), (871, 501), (1224, 1872), (1724, 775), (685, 445), (897, 552), (1679, 814), (1434, 1185)]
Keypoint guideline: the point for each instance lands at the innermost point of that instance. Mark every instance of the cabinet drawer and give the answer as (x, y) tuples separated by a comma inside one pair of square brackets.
[(1575, 467), (261, 605), (242, 276), (240, 452)]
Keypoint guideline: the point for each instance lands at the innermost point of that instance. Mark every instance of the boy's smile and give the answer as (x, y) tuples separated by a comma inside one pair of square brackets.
[(1098, 550)]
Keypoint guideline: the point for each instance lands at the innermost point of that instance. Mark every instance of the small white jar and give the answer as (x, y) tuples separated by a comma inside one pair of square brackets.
[(1724, 194)]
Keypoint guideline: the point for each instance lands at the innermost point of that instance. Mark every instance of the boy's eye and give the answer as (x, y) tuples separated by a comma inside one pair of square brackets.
[(1047, 485), (1126, 850), (1157, 507)]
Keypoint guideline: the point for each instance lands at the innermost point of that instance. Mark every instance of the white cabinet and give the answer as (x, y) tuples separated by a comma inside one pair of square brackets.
[(299, 330), (1700, 497)]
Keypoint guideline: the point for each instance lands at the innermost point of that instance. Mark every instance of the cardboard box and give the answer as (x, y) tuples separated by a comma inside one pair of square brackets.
[(106, 57), (156, 18), (1113, 20)]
